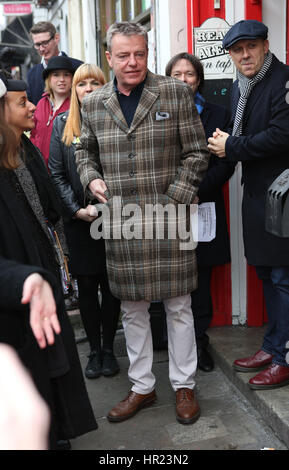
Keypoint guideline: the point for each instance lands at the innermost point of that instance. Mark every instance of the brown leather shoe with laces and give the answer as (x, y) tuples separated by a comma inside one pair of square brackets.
[(187, 407), (130, 406)]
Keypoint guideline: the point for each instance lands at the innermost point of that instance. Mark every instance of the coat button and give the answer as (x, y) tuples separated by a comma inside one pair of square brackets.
[(131, 155), (131, 173), (133, 192)]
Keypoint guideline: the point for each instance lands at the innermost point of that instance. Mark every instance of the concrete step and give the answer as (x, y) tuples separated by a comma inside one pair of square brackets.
[(231, 342)]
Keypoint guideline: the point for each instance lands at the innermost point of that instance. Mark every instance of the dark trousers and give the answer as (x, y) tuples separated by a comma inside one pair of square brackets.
[(98, 320), (202, 306), (276, 292)]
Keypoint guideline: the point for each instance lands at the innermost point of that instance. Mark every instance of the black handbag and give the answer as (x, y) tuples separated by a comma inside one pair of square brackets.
[(61, 260)]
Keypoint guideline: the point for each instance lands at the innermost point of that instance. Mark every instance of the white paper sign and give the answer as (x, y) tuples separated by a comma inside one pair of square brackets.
[(203, 222), (208, 47)]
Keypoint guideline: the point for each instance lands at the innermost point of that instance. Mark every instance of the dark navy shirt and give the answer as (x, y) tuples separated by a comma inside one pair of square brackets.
[(129, 103)]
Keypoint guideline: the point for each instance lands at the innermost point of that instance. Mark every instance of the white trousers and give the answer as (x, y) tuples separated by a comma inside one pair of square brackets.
[(181, 343)]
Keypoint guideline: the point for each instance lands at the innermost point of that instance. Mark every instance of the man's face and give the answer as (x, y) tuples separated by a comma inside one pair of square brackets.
[(19, 112), (128, 59), (248, 55), (183, 70), (46, 44)]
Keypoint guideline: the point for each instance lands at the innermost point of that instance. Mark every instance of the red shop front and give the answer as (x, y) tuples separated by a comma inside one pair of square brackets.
[(237, 292)]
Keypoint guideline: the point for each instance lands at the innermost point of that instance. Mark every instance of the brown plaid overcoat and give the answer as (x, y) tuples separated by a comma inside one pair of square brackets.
[(160, 159)]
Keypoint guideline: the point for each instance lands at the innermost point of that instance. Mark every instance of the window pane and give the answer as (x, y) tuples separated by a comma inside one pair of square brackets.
[(118, 10), (130, 9), (145, 4)]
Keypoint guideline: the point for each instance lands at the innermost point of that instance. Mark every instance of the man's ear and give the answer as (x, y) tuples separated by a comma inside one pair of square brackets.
[(57, 38), (108, 57), (266, 46)]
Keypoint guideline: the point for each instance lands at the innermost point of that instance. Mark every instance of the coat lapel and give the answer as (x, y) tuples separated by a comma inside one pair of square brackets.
[(256, 94), (149, 95), (205, 114), (112, 106)]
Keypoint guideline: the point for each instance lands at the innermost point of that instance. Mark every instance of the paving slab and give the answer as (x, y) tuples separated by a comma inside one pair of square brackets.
[(229, 421)]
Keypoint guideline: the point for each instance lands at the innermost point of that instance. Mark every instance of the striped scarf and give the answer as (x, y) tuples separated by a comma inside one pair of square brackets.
[(246, 85)]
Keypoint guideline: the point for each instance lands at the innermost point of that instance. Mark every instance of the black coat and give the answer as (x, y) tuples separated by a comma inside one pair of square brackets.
[(87, 256), (56, 370), (263, 150), (218, 250)]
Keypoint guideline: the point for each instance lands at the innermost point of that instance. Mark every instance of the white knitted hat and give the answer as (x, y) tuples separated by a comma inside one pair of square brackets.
[(3, 88)]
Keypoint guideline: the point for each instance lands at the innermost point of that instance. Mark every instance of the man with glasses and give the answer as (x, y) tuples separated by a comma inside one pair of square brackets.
[(45, 40)]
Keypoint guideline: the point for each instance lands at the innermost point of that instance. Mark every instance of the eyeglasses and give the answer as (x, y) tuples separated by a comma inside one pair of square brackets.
[(37, 45)]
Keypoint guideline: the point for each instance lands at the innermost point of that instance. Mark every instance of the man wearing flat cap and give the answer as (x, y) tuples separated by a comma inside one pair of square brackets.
[(260, 140)]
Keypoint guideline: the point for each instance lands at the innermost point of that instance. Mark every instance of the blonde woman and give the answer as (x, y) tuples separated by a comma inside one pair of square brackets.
[(56, 100), (87, 256)]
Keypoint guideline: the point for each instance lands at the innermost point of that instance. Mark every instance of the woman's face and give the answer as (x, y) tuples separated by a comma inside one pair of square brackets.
[(60, 82), (19, 112), (185, 71), (86, 86)]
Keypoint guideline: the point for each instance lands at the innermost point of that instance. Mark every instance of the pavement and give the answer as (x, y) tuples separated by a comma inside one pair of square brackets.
[(233, 417)]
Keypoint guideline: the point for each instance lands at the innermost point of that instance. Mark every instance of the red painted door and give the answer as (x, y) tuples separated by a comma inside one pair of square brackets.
[(197, 12), (256, 311)]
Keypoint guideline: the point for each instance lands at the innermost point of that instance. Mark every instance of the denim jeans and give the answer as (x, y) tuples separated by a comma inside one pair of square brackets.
[(276, 293)]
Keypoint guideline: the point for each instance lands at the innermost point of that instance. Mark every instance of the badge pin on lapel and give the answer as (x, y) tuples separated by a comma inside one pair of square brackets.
[(160, 116)]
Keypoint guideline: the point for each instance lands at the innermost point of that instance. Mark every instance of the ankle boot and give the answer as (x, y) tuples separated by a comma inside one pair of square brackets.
[(109, 363), (94, 365)]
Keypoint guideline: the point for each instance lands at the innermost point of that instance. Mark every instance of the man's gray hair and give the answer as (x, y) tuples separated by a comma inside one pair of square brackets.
[(127, 29)]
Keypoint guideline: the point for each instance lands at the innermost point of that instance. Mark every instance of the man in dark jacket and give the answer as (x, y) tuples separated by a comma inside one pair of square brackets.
[(45, 40), (260, 140)]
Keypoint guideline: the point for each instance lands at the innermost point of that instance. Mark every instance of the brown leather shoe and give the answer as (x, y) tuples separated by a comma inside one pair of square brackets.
[(253, 363), (274, 376), (187, 407), (130, 406)]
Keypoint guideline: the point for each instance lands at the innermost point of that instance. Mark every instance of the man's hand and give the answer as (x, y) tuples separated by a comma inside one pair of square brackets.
[(43, 318), (98, 188), (217, 143), (88, 213)]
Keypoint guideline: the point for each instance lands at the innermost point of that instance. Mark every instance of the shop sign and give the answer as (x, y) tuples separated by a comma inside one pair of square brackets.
[(17, 9), (208, 47)]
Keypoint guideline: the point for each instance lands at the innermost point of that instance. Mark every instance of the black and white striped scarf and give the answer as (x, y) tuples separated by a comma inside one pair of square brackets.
[(246, 85)]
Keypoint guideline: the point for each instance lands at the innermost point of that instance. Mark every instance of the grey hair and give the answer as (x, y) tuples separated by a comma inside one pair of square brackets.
[(127, 29)]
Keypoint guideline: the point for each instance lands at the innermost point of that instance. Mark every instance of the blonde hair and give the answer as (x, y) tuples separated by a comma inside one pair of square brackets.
[(47, 87), (73, 124)]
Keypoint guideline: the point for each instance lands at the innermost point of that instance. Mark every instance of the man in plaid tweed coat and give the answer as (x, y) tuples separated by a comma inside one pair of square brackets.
[(142, 143)]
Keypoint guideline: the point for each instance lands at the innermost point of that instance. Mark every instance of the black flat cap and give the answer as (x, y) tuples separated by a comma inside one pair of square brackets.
[(245, 29), (58, 63), (11, 85), (16, 85)]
